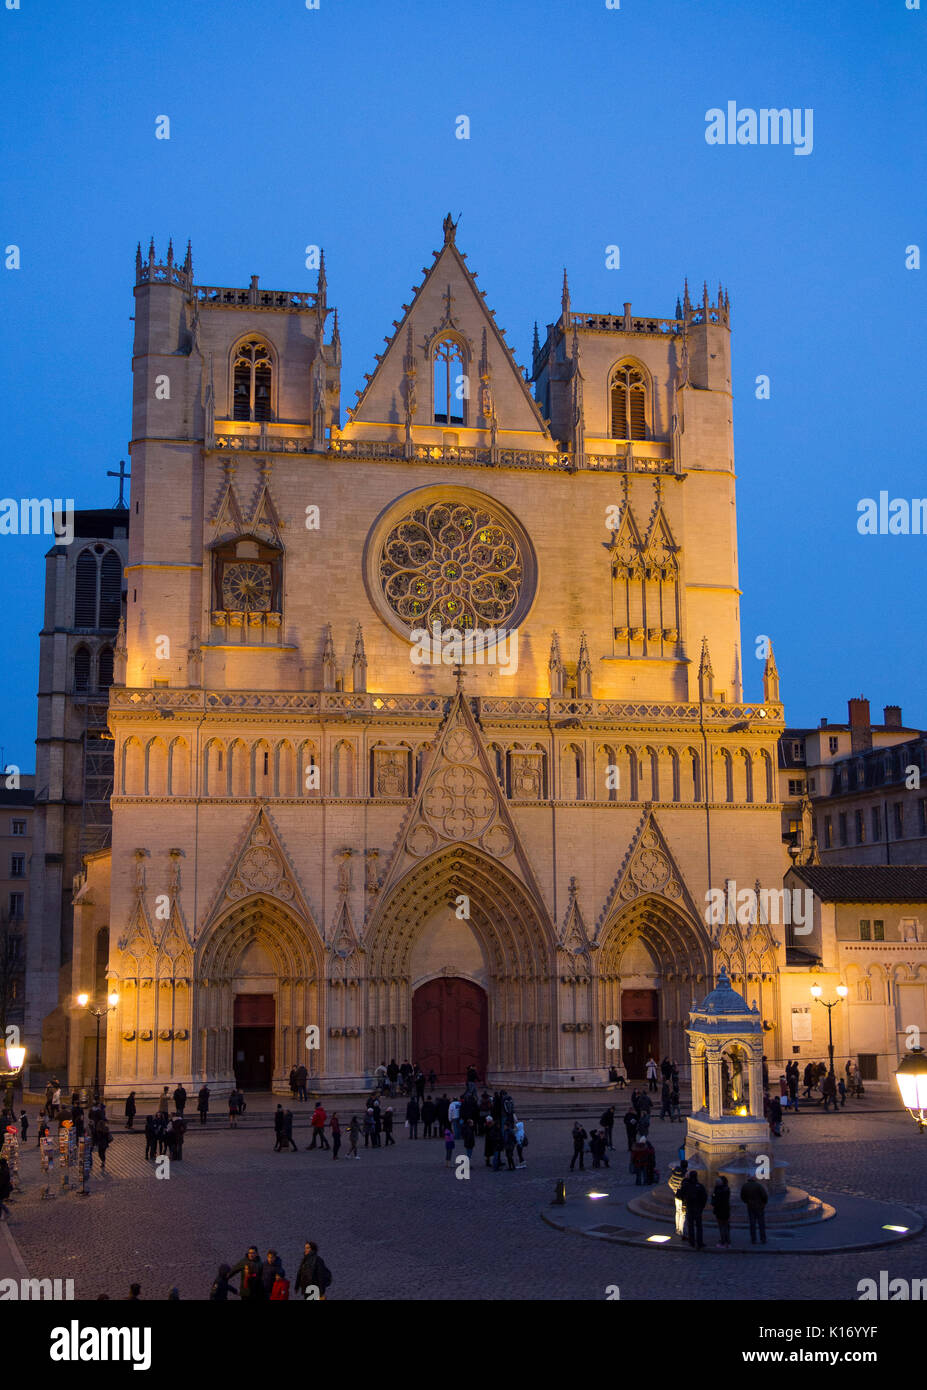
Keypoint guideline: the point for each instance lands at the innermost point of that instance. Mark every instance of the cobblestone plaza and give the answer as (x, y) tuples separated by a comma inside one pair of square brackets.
[(397, 1224)]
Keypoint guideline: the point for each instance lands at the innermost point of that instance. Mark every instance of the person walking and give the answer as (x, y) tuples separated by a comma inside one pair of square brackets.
[(318, 1126), (829, 1092), (102, 1139), (388, 1127), (579, 1145), (651, 1070), (278, 1129), (334, 1125), (775, 1117), (640, 1158), (753, 1195), (721, 1206), (428, 1118), (354, 1134), (288, 1140), (313, 1277), (413, 1114), (448, 1146), (630, 1124), (694, 1199), (233, 1109), (842, 1091), (202, 1105), (508, 1143), (180, 1099), (130, 1110), (810, 1078), (607, 1122)]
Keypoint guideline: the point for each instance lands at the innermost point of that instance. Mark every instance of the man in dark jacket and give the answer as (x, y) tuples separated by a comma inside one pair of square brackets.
[(302, 1076), (271, 1267), (413, 1115), (579, 1144), (694, 1198), (151, 1137), (288, 1140), (313, 1276), (441, 1108), (428, 1116), (278, 1129), (753, 1195), (251, 1271), (721, 1206), (630, 1124), (202, 1103), (607, 1122), (180, 1099)]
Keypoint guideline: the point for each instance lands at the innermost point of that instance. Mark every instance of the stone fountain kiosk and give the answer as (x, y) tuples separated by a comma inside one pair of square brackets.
[(726, 1131)]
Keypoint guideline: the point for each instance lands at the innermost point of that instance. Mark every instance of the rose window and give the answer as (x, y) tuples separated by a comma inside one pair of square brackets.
[(452, 563)]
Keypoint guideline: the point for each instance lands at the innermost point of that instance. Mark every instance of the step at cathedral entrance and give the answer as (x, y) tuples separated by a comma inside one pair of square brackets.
[(450, 1029)]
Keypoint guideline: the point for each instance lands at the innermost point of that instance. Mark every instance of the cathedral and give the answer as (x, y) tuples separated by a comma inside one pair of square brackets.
[(429, 734)]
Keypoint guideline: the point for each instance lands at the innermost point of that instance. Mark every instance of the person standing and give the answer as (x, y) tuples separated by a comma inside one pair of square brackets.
[(842, 1091), (130, 1110), (492, 1137), (334, 1125), (630, 1124), (164, 1102), (302, 1077), (428, 1118), (721, 1206), (775, 1117), (829, 1091), (469, 1137), (791, 1072), (413, 1114), (608, 1124), (354, 1131), (453, 1116), (674, 1183), (579, 1145), (419, 1084), (448, 1146), (651, 1070), (151, 1137), (508, 1142), (278, 1129), (233, 1109), (202, 1105), (388, 1127), (666, 1112), (271, 1270), (221, 1288), (251, 1271), (369, 1135), (640, 1159), (694, 1199), (313, 1277), (442, 1107), (753, 1195), (23, 1126), (292, 1083), (180, 1099)]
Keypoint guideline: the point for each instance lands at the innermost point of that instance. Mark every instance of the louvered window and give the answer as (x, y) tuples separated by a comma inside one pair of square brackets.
[(82, 669), (110, 590), (85, 590), (105, 669), (629, 403), (252, 381)]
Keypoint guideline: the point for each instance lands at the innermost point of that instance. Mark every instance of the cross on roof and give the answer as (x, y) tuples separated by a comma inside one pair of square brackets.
[(123, 477)]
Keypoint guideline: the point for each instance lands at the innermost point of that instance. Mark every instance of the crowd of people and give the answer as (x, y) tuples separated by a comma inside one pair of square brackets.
[(267, 1279), (691, 1199)]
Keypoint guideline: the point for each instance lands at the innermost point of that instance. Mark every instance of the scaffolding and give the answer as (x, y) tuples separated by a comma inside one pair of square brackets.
[(96, 822)]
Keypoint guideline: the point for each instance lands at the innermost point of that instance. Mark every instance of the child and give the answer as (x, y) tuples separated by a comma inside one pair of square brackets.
[(43, 1128), (448, 1147)]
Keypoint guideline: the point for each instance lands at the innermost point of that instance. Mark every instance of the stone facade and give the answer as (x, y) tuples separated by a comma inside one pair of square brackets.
[(312, 823)]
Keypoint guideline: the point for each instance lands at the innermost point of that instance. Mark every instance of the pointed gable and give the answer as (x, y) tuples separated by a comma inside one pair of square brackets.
[(648, 867), (261, 865), (448, 304)]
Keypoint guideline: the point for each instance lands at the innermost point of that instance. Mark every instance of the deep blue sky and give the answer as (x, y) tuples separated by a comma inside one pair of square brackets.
[(336, 127)]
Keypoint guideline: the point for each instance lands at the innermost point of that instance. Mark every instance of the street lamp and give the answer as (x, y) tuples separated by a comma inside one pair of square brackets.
[(99, 1011), (15, 1057), (842, 992), (912, 1083)]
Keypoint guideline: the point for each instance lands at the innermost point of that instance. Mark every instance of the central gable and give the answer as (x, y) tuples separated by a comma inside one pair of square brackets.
[(447, 308)]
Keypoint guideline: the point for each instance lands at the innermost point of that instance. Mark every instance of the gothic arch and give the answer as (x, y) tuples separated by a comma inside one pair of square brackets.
[(178, 770), (518, 945)]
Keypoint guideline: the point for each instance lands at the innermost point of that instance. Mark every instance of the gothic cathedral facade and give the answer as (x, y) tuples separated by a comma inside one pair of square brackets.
[(429, 729)]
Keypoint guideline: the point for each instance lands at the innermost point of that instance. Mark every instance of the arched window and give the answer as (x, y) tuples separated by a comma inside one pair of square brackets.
[(105, 669), (82, 669), (628, 402), (110, 590), (85, 590), (449, 380), (252, 379)]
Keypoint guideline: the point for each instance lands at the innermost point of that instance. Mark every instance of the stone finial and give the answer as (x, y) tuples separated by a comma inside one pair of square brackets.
[(360, 661), (706, 676), (583, 670), (770, 679), (565, 294)]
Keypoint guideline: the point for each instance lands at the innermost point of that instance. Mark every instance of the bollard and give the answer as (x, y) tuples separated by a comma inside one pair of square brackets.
[(559, 1194)]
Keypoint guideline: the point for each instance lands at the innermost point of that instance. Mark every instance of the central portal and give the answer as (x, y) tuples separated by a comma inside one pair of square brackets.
[(450, 1029), (253, 1041)]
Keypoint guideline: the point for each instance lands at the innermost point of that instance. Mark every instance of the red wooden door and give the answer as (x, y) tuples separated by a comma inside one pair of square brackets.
[(450, 1028)]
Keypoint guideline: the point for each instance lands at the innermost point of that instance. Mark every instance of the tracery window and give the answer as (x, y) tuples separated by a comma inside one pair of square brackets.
[(98, 588), (628, 402), (449, 381), (454, 564), (252, 380)]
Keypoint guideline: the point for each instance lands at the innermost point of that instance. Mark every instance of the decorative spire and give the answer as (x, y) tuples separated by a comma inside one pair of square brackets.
[(706, 676), (170, 251), (151, 253), (536, 343), (565, 294), (686, 301), (678, 308), (138, 261), (120, 654), (360, 661), (321, 288), (555, 667), (188, 261), (578, 439), (770, 679), (328, 660), (584, 670)]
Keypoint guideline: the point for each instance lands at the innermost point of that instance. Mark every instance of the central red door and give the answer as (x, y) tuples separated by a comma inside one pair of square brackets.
[(450, 1028)]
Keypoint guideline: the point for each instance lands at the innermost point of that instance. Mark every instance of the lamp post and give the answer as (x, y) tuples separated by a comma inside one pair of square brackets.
[(99, 1012), (912, 1083), (842, 993)]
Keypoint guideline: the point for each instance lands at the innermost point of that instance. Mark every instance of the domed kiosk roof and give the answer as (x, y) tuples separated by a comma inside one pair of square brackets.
[(724, 998)]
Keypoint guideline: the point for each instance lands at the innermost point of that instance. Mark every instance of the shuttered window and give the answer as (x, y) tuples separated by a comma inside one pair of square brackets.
[(85, 590), (628, 403)]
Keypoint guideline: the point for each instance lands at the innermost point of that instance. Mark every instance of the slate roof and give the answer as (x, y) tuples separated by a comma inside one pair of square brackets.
[(865, 883)]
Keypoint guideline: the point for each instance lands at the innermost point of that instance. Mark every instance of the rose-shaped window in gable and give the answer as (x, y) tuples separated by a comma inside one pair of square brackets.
[(455, 563)]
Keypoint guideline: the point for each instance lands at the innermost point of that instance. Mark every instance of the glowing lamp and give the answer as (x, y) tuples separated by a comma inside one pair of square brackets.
[(912, 1083)]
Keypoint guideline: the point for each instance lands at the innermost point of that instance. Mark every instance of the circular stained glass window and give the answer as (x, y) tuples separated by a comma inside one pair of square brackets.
[(458, 562)]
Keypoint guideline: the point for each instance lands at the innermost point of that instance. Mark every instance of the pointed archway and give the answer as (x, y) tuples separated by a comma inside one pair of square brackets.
[(461, 899)]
